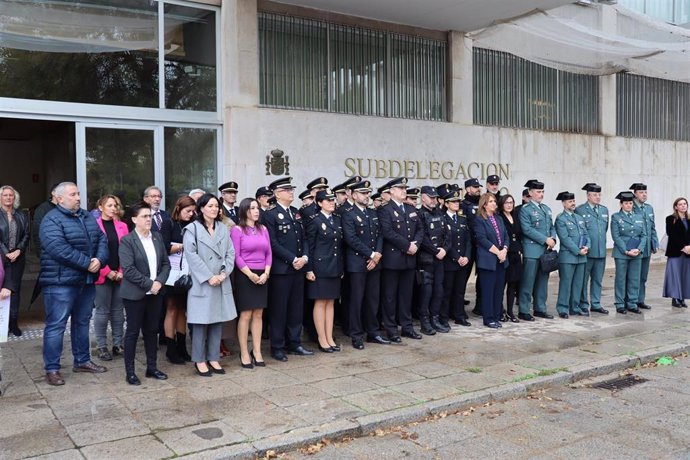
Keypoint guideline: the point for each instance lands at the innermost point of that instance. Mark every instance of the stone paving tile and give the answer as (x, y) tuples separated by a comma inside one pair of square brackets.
[(326, 410), (341, 386), (31, 419), (595, 447), (258, 380), (482, 447), (70, 454), (558, 359), (109, 429), (168, 418), (11, 404), (389, 377), (263, 422), (388, 446), (127, 449), (145, 401), (89, 411), (442, 432), (470, 381), (426, 390), (315, 373), (379, 400), (294, 394), (432, 369), (38, 441), (199, 437)]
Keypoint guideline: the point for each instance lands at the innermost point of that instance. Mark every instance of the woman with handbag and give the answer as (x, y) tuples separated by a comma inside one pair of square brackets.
[(506, 204), (211, 258), (108, 302), (492, 258), (677, 275), (175, 323), (253, 258), (145, 268)]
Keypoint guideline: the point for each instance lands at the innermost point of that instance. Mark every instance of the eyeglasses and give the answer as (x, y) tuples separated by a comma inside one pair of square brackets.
[(144, 216), (155, 196)]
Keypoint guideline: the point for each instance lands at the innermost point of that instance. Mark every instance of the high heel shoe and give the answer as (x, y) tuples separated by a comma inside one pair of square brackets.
[(215, 370), (208, 373), (248, 365), (326, 350), (256, 363), (335, 347)]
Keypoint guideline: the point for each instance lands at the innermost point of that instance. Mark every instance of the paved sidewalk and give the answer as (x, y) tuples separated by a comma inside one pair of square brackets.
[(286, 405)]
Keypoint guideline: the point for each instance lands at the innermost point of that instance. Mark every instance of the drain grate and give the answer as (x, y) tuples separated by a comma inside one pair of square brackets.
[(619, 383)]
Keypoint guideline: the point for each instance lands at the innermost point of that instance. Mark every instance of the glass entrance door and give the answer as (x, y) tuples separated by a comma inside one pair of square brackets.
[(117, 159)]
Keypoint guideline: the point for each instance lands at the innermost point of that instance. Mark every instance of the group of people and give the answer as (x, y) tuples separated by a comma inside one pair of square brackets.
[(340, 257)]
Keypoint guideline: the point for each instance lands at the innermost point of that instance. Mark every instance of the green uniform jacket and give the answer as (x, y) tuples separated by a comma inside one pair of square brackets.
[(596, 227), (571, 231), (537, 226), (647, 213), (623, 228)]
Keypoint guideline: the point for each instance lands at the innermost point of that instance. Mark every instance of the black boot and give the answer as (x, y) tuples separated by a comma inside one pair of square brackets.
[(14, 327), (438, 326), (171, 352), (426, 326), (182, 347)]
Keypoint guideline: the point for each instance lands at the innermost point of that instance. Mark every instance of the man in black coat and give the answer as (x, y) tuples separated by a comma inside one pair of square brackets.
[(470, 206), (402, 234), (363, 252), (286, 285)]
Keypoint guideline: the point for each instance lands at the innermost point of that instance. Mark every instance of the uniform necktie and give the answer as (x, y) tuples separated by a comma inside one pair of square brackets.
[(596, 210), (402, 209), (330, 220), (455, 218), (158, 219), (232, 212)]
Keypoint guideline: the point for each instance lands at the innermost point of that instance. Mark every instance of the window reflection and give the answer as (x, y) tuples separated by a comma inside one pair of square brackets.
[(190, 162)]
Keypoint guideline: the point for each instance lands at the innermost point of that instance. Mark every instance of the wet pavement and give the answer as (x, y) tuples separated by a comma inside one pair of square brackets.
[(288, 405)]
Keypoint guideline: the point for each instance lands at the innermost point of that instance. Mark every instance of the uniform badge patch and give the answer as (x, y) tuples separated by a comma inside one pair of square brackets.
[(323, 225), (280, 215)]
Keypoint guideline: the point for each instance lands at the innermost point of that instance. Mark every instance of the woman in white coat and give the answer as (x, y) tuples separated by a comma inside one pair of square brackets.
[(211, 257)]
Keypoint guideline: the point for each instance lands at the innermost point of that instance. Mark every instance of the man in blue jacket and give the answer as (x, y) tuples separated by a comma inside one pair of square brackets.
[(73, 251)]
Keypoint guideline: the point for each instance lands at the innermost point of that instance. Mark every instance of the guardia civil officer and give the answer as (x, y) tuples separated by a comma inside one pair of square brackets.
[(538, 235), (228, 192), (363, 252), (596, 217), (646, 211), (470, 207), (572, 258), (457, 263), (286, 285), (430, 263), (311, 209), (402, 234), (629, 239)]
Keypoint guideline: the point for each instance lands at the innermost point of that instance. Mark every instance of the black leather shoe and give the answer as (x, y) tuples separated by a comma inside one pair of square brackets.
[(584, 312), (675, 303), (477, 311), (644, 306), (622, 311), (378, 339), (14, 330), (326, 350), (492, 325), (279, 355), (301, 351), (132, 379), (577, 313), (463, 322), (635, 310), (563, 315), (525, 317), (466, 302), (513, 319), (249, 365), (336, 347), (156, 374), (438, 327), (394, 339), (683, 304), (603, 311), (208, 372), (255, 362), (90, 367), (411, 334), (426, 328), (542, 314), (217, 370), (444, 322), (358, 344)]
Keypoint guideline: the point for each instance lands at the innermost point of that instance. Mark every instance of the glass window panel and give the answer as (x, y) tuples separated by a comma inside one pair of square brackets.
[(190, 162), (190, 58), (80, 51), (119, 162)]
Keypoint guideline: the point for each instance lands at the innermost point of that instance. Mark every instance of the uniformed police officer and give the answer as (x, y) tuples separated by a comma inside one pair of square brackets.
[(572, 258), (286, 286), (376, 200), (430, 263), (470, 206), (538, 235), (413, 196), (645, 210), (228, 193), (457, 264), (384, 193), (310, 209), (493, 185), (596, 219), (307, 200), (629, 239), (402, 234), (346, 186), (363, 252)]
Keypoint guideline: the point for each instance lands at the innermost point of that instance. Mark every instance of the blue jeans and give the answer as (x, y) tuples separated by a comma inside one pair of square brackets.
[(61, 302)]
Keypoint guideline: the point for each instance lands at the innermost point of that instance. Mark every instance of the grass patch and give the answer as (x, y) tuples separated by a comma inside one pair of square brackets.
[(474, 370), (540, 373)]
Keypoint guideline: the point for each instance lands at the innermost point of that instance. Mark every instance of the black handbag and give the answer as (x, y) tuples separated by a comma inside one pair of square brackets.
[(549, 261), (183, 283)]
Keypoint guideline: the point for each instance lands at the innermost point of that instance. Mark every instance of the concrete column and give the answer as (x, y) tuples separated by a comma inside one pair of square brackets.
[(461, 78), (607, 83)]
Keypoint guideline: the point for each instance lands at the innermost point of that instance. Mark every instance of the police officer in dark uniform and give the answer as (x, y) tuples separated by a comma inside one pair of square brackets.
[(311, 209), (286, 285), (413, 196), (363, 252), (470, 208), (347, 204), (493, 185), (307, 200), (228, 194), (402, 234), (457, 264), (430, 258)]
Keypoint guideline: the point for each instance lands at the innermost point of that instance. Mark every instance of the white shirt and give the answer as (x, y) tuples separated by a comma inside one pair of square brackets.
[(150, 250)]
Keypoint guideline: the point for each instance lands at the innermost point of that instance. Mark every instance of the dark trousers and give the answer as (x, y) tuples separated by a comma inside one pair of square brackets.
[(454, 285), (142, 315), (364, 304), (286, 303), (431, 289), (492, 293), (397, 297), (512, 292)]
